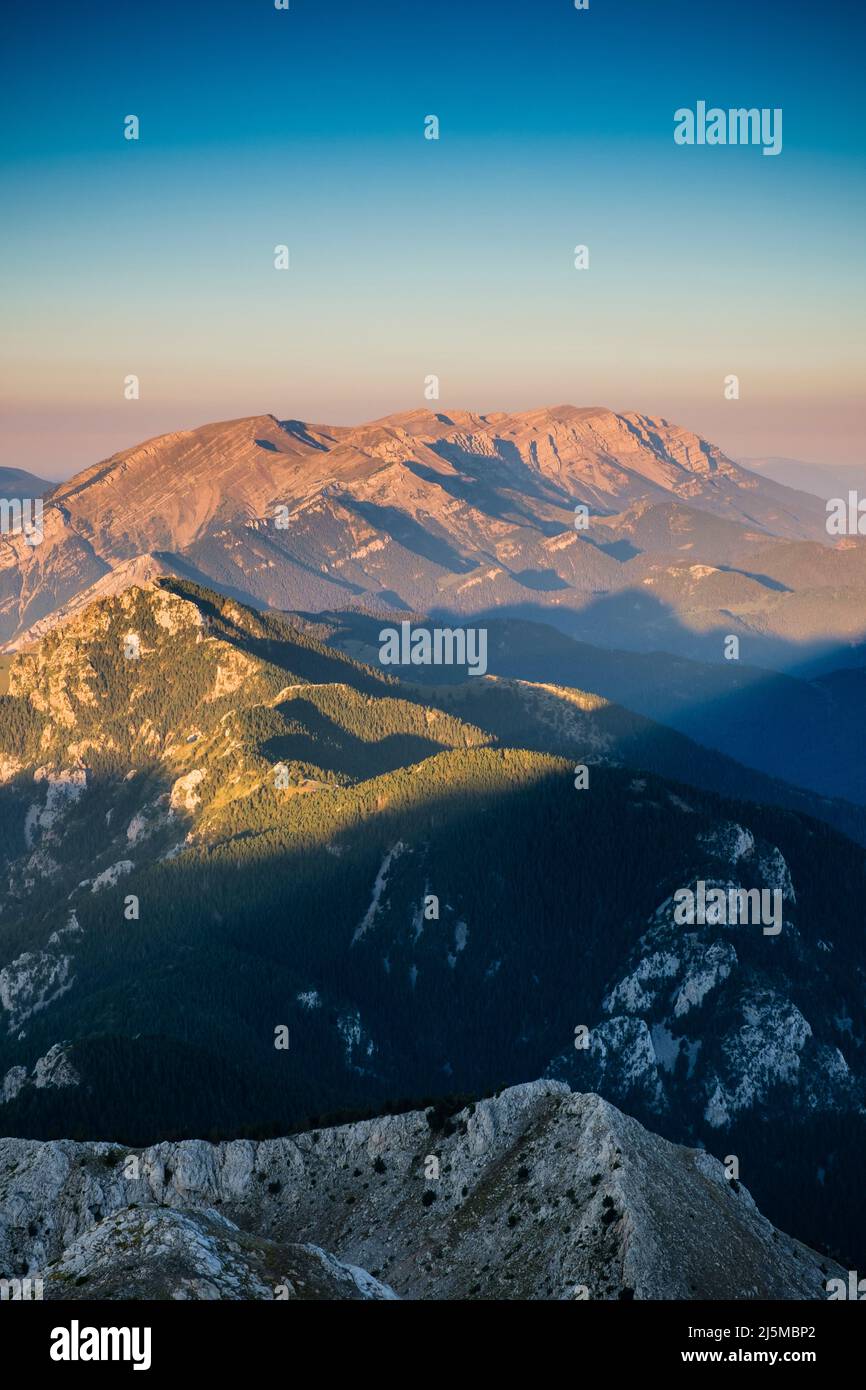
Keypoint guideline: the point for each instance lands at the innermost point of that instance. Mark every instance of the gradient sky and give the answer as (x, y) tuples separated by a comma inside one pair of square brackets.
[(410, 256)]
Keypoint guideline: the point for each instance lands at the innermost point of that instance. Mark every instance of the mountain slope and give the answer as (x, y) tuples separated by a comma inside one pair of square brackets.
[(16, 482), (457, 513), (239, 831), (535, 1194), (792, 737)]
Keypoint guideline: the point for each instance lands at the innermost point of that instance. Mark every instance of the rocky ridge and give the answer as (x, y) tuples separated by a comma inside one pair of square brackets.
[(536, 1193), (458, 513)]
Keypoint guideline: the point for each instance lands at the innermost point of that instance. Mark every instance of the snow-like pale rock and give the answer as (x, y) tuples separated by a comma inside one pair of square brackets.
[(716, 963), (378, 889), (12, 1083), (31, 982), (461, 936), (623, 1053), (62, 789), (766, 1050), (638, 990), (760, 1041), (185, 795), (52, 1070), (538, 1192), (109, 877), (730, 842), (775, 872)]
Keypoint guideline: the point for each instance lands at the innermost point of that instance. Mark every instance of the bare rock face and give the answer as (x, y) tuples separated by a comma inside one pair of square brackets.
[(762, 1039), (538, 1193), (160, 1253), (54, 1069), (492, 495)]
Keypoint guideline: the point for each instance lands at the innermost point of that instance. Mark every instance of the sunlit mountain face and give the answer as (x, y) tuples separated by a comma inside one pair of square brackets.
[(255, 884), (616, 529), (433, 818), (367, 771)]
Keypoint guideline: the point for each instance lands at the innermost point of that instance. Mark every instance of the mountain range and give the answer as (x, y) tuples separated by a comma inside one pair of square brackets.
[(456, 514), (823, 480), (239, 829), (802, 725), (257, 884), (17, 482)]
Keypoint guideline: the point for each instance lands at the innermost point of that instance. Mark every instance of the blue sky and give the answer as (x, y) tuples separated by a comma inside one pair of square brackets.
[(411, 257)]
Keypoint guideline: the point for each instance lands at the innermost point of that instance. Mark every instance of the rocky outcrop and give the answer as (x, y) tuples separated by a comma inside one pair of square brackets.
[(654, 1043), (537, 1193), (31, 982), (51, 1071), (158, 1253)]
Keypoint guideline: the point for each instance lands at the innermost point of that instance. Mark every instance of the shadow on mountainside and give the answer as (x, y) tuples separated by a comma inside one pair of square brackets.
[(635, 619), (806, 732), (321, 741), (554, 890), (803, 732)]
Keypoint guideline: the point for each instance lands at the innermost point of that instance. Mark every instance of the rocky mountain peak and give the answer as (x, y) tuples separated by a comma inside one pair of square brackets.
[(535, 1193), (441, 508)]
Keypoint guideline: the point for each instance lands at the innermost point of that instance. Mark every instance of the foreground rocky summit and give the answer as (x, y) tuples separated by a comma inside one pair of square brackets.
[(538, 1193)]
